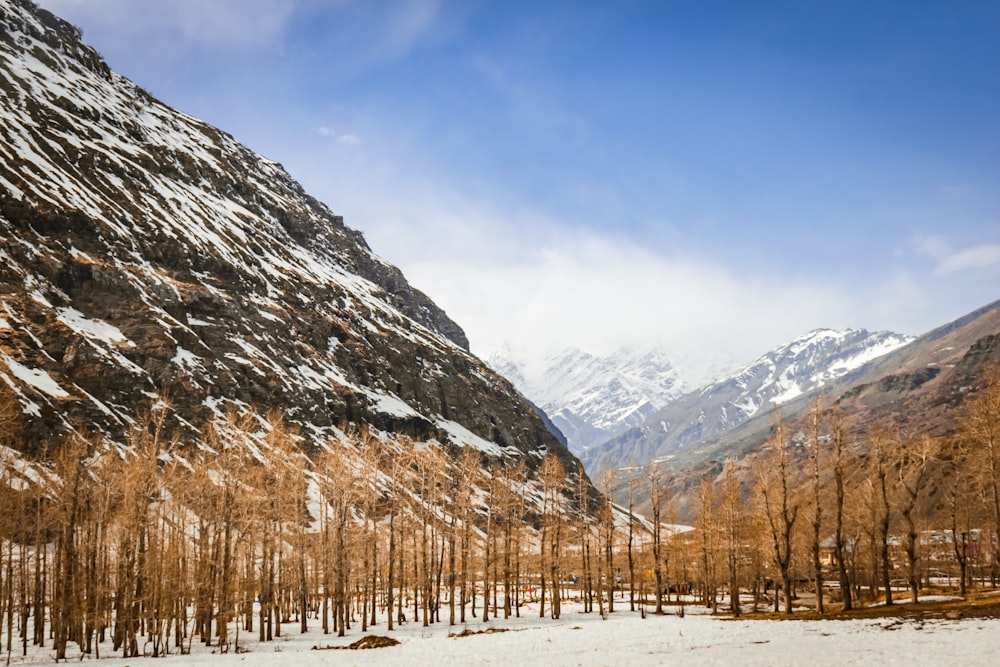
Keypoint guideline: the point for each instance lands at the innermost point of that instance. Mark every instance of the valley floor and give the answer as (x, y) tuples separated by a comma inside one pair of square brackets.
[(625, 638)]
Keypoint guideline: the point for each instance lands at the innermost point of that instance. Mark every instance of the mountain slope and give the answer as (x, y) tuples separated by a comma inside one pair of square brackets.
[(922, 386), (777, 377), (146, 256), (919, 389)]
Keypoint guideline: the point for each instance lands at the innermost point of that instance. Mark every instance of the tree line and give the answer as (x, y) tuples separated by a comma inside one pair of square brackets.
[(857, 514), (147, 547)]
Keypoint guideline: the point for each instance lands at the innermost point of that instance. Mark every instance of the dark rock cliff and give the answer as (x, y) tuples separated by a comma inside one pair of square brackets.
[(145, 255)]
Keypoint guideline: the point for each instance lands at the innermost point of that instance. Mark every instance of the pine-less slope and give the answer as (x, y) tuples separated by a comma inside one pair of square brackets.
[(147, 255)]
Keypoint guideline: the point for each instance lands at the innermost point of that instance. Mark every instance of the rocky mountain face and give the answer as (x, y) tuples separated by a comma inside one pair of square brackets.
[(709, 414), (592, 398), (146, 256), (922, 387)]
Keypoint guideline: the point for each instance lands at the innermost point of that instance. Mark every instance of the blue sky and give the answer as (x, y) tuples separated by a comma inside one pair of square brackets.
[(716, 176)]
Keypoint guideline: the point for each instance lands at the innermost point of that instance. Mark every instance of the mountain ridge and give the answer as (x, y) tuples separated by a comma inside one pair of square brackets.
[(591, 397), (149, 256), (780, 375)]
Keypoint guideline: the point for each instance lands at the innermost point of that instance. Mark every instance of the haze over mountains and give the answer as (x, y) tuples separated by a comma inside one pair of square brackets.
[(595, 399), (591, 398), (878, 380), (882, 380)]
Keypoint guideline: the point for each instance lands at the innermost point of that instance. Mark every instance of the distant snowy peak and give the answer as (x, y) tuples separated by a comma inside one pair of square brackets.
[(716, 409), (804, 364), (591, 397)]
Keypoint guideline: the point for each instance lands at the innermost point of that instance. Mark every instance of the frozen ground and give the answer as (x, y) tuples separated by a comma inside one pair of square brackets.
[(623, 639)]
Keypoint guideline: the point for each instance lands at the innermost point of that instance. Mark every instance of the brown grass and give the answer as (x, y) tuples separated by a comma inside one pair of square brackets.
[(977, 604)]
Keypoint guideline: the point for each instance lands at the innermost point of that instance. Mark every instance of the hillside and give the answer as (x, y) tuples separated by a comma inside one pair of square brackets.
[(147, 257), (919, 389)]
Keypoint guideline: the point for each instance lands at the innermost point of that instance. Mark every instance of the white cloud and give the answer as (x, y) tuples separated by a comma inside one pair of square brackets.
[(977, 257), (931, 245), (511, 276), (239, 23), (346, 138), (600, 293)]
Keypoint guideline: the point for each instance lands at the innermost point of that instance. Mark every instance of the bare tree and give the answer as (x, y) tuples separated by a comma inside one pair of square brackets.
[(913, 462), (609, 483), (655, 483), (733, 524), (815, 445), (981, 425), (288, 495), (70, 465), (959, 511), (708, 529), (632, 481), (781, 508), (839, 547), (338, 485), (881, 445), (553, 478), (469, 462)]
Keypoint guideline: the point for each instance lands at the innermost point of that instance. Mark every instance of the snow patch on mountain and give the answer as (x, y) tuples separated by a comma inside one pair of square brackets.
[(36, 378), (808, 362)]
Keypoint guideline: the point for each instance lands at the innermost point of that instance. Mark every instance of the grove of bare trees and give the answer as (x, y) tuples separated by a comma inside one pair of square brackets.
[(146, 547), (856, 515)]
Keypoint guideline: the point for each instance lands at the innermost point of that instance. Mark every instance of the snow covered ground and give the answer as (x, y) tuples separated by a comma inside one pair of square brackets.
[(623, 639)]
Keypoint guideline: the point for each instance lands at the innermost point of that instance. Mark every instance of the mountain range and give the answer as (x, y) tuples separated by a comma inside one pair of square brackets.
[(592, 398), (149, 259), (880, 380), (776, 378)]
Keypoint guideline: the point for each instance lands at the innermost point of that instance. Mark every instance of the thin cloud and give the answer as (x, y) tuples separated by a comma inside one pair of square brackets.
[(407, 25), (977, 257), (346, 138), (366, 34), (598, 294), (931, 245), (219, 23), (511, 276)]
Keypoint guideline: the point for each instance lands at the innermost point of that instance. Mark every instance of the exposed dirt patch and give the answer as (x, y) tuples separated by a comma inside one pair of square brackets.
[(488, 631), (368, 641)]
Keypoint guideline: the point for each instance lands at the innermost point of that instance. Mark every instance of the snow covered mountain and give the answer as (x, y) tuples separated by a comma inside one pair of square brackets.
[(779, 376), (592, 398), (146, 256)]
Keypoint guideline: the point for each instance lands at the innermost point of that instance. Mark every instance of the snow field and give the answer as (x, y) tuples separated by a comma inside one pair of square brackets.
[(624, 638)]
